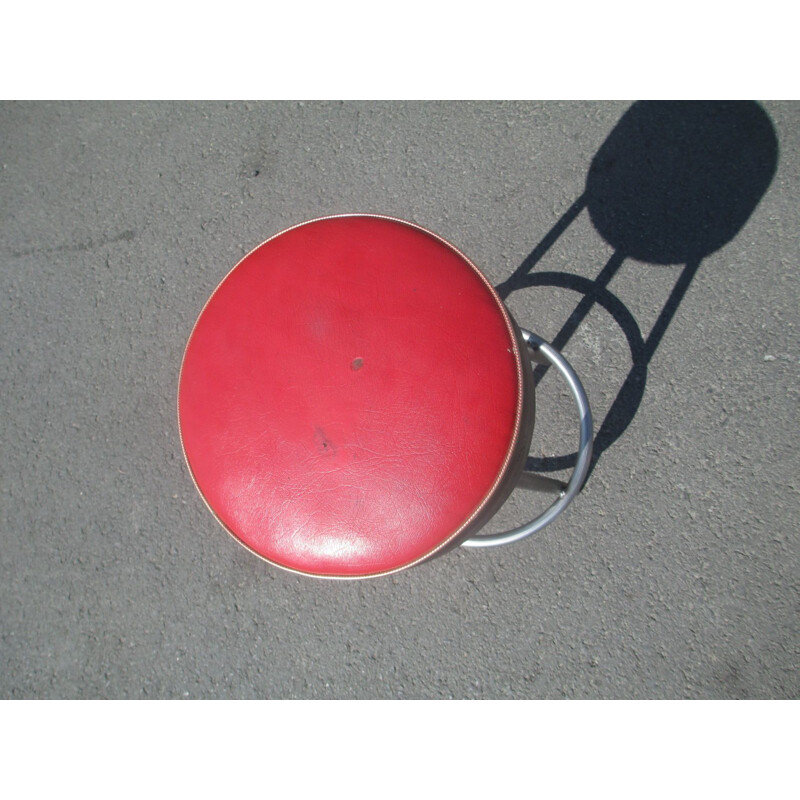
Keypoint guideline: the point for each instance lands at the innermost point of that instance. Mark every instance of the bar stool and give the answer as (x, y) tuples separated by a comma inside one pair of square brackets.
[(355, 399)]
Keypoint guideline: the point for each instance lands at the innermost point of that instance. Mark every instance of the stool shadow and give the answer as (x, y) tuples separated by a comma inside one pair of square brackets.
[(672, 183)]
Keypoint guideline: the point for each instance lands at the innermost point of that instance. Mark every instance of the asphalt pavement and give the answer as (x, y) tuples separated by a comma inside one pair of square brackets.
[(656, 244)]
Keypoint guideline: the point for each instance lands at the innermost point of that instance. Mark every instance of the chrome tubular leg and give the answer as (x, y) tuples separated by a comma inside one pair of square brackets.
[(541, 349)]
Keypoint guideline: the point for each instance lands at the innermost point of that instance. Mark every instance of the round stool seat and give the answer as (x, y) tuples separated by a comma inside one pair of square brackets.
[(353, 398)]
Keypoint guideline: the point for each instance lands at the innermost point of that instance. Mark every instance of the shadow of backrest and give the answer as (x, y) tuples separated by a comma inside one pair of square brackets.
[(675, 181)]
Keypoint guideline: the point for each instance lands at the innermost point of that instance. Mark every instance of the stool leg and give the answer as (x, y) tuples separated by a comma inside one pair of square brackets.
[(541, 349), (541, 483)]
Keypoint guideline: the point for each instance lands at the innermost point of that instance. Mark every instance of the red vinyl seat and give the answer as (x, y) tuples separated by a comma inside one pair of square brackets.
[(351, 398)]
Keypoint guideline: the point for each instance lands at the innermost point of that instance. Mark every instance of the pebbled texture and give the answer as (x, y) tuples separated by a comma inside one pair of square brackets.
[(674, 575), (350, 396)]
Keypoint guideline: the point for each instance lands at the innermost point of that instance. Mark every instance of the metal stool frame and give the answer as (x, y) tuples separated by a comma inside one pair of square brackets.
[(543, 352)]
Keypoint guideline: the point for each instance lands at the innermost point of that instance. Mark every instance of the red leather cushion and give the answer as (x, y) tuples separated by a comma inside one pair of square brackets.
[(349, 396)]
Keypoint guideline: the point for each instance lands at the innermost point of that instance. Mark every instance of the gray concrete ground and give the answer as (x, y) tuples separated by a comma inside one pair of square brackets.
[(673, 575)]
